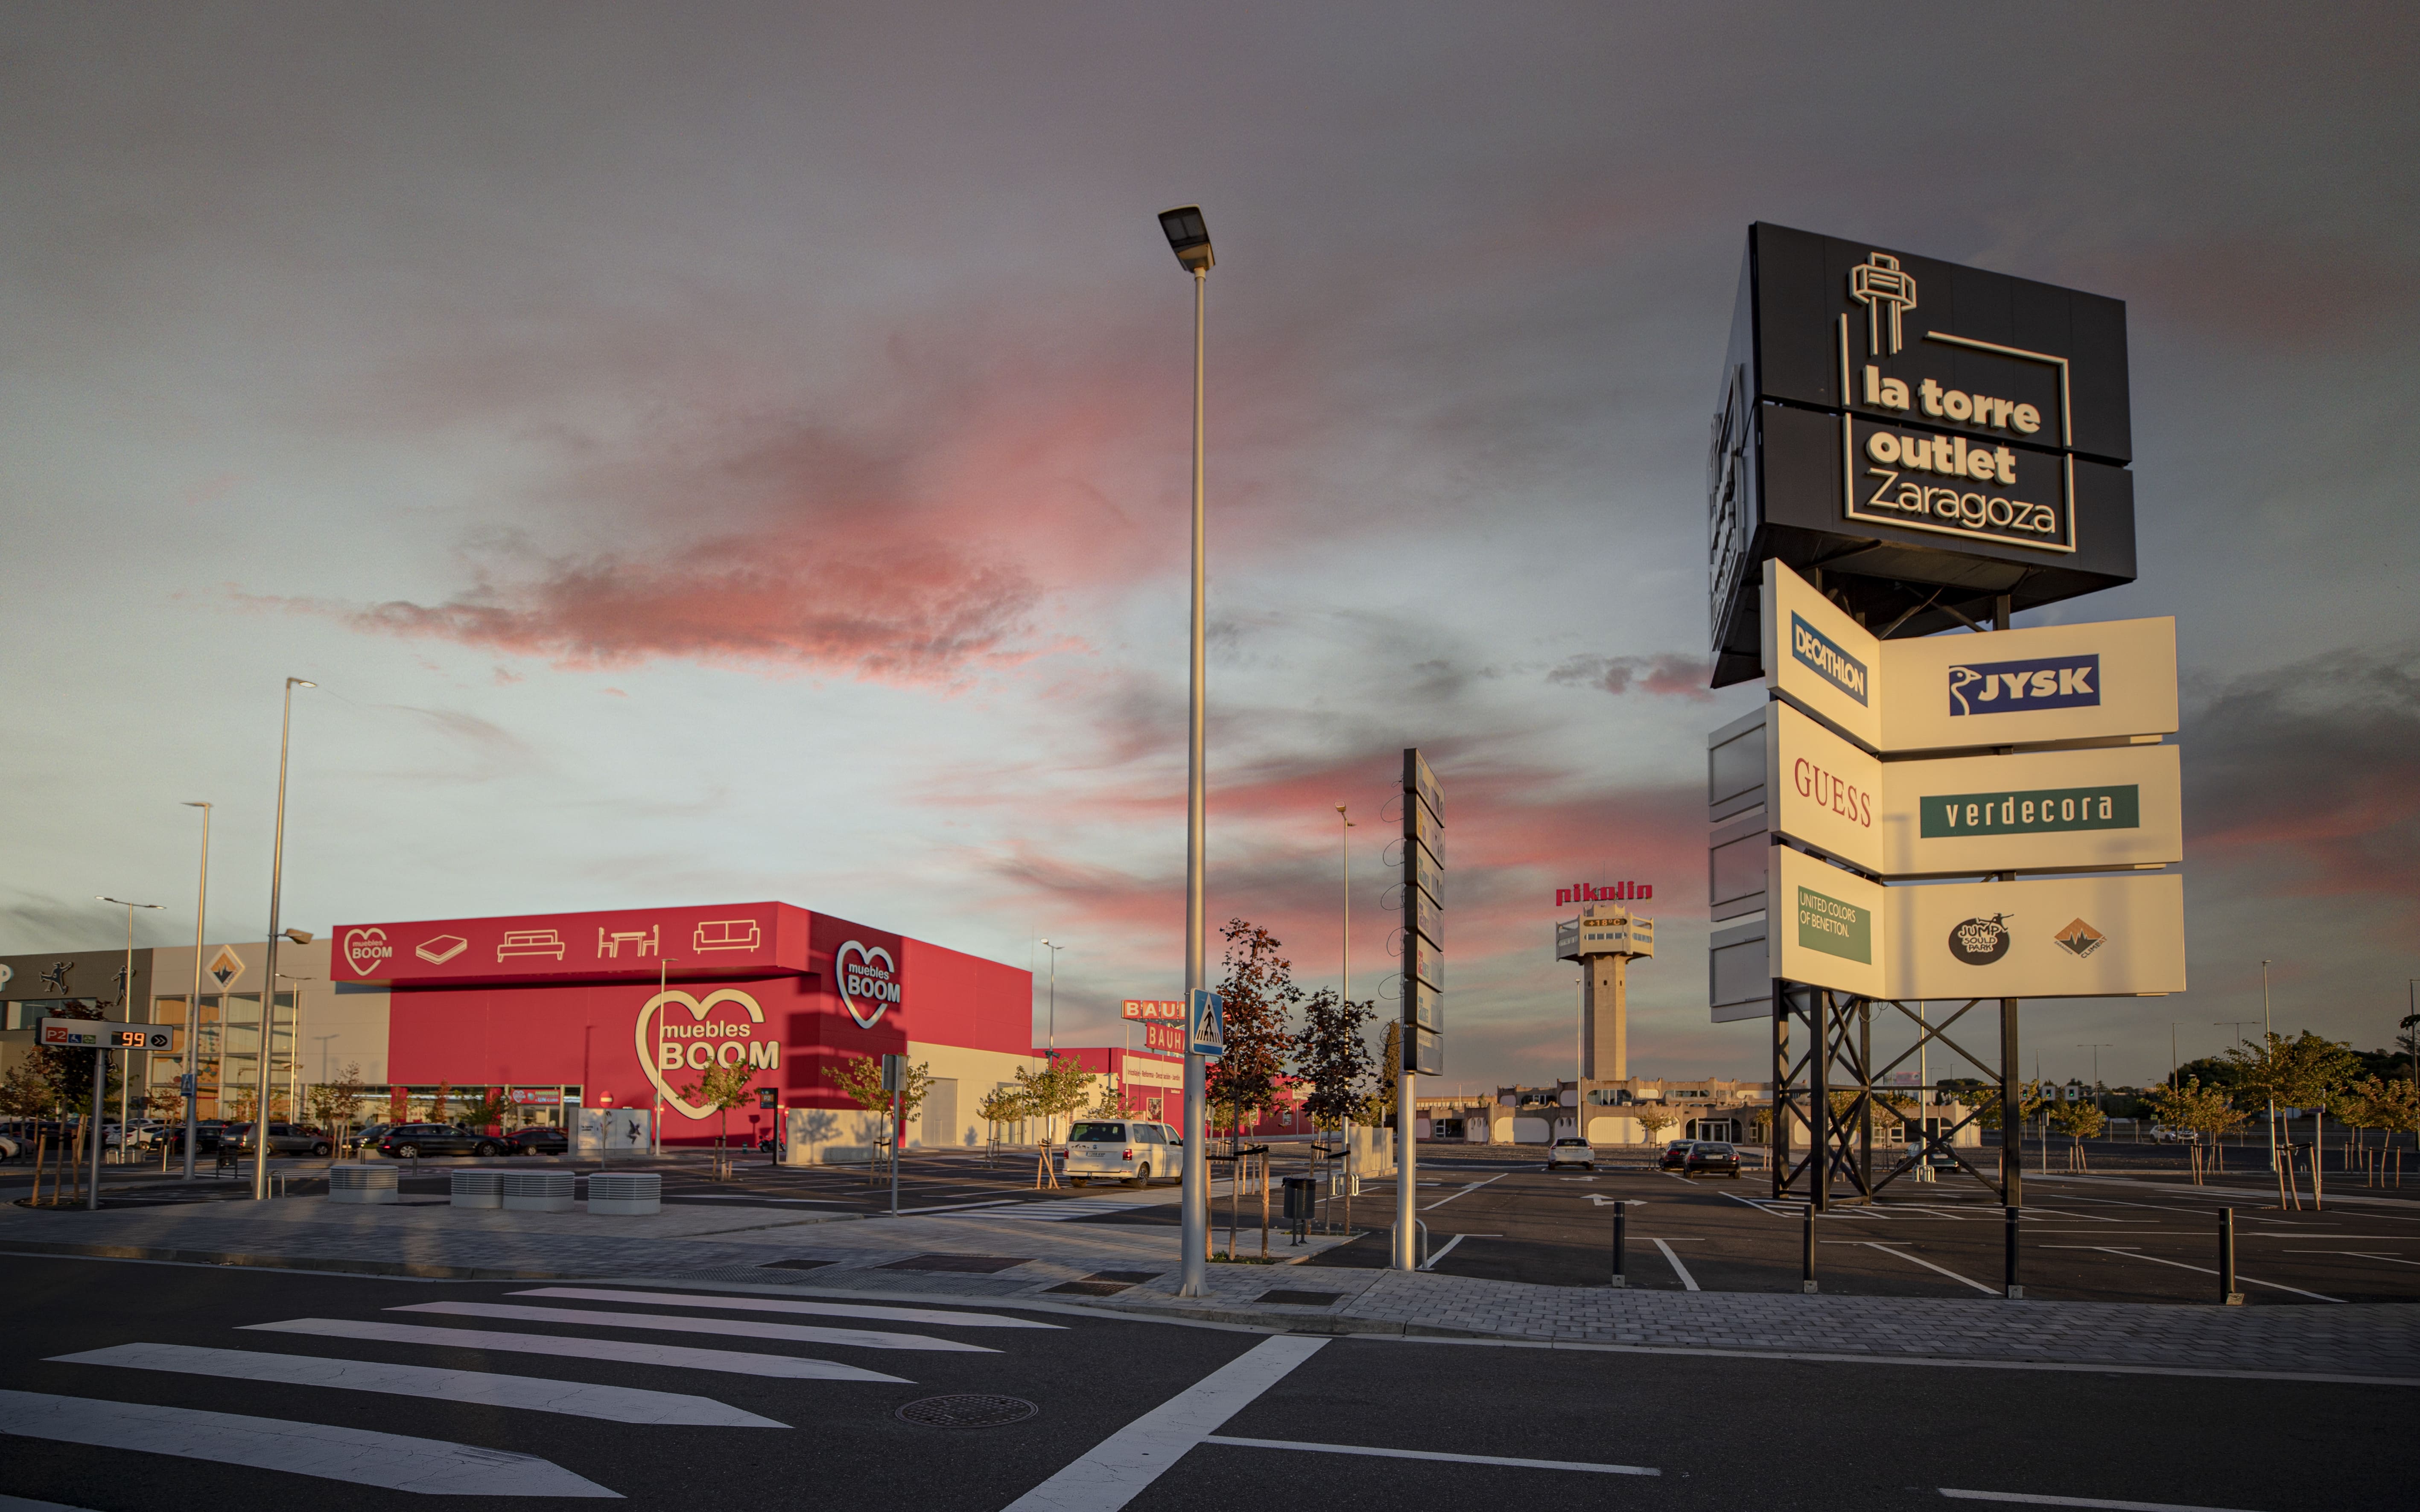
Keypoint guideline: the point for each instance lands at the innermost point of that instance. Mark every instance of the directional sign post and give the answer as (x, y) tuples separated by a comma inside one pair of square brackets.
[(100, 1037), (1421, 1021)]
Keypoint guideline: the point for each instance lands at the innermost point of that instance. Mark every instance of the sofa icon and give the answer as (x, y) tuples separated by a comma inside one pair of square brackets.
[(727, 935)]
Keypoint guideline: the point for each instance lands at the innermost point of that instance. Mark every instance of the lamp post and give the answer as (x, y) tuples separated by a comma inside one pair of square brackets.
[(656, 1128), (190, 1082), (2410, 1026), (126, 1067), (1189, 236), (1051, 1041), (2096, 1050), (269, 987), (294, 1052)]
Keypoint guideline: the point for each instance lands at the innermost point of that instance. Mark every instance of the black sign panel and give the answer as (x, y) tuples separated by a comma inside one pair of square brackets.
[(1424, 932), (1928, 437)]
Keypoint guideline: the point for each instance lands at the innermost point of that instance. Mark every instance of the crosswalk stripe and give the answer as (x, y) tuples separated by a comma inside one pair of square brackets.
[(19, 1504), (621, 1352), (863, 1338), (535, 1394), (783, 1305), (427, 1466)]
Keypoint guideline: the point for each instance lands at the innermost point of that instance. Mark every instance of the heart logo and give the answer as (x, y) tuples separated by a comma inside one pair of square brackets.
[(874, 980), (365, 949), (650, 1024)]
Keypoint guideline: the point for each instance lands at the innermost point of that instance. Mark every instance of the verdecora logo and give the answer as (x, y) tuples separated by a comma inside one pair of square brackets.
[(2015, 687), (1835, 928), (671, 1047), (367, 949), (1815, 649), (869, 986)]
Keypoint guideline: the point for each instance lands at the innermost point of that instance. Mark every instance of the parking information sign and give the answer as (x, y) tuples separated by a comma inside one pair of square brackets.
[(1208, 1025), (96, 1034)]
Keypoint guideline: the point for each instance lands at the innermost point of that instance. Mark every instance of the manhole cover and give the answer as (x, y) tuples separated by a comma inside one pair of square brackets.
[(967, 1411)]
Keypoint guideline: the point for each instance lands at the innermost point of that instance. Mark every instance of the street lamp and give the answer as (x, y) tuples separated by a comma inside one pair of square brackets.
[(656, 1128), (126, 1067), (188, 1085), (2266, 1049), (1189, 236), (1052, 1039), (294, 1052), (2096, 1050), (269, 988)]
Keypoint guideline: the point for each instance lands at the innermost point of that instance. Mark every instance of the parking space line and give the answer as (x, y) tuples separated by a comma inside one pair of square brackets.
[(1115, 1471), (2274, 1286), (2077, 1501), (1688, 1280), (1465, 1192), (2391, 1260), (1449, 1243), (1433, 1454), (1953, 1275)]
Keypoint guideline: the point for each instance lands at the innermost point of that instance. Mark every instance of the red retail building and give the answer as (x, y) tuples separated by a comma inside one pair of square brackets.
[(621, 1010)]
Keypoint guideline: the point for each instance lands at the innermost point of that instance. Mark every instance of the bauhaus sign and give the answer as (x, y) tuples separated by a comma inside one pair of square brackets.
[(2056, 810)]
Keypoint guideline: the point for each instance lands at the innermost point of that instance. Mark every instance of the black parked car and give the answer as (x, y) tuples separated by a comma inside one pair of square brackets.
[(205, 1136), (1709, 1157), (538, 1140), (406, 1141)]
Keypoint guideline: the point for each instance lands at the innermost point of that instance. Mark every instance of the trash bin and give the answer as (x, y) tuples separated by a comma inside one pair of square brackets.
[(1301, 1199)]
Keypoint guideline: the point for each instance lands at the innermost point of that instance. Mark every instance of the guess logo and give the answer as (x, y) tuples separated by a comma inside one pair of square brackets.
[(869, 982), (367, 949)]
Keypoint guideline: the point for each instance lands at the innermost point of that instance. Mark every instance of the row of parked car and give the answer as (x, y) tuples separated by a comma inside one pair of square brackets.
[(1690, 1157)]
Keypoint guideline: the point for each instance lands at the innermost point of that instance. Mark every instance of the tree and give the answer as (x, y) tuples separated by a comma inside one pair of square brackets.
[(1390, 1075), (1333, 1058), (1760, 1125), (1987, 1112), (1654, 1121), (2207, 1111), (24, 1093), (1260, 995), (491, 1108), (1054, 1091), (860, 1078), (2079, 1120), (1003, 1104), (334, 1103), (437, 1102), (2305, 1071), (722, 1088), (2392, 1104)]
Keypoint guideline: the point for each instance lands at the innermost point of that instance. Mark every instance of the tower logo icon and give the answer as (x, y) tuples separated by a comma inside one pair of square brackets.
[(1880, 285)]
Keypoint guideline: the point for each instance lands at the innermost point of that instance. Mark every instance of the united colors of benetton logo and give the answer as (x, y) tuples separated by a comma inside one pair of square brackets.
[(1827, 660), (2012, 686)]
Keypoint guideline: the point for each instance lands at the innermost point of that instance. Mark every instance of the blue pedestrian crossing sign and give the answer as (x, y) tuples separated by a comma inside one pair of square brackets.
[(1207, 1024)]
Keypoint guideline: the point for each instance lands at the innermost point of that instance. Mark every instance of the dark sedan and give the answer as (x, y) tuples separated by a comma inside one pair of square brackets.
[(205, 1136), (537, 1141), (1675, 1156), (1708, 1158), (408, 1141)]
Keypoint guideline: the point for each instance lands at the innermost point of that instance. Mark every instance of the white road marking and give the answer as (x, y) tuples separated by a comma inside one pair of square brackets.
[(18, 1504), (2076, 1500), (747, 1328), (391, 1461), (1114, 1472), (1688, 1280), (1465, 1192), (1953, 1275), (1448, 1247), (535, 1394), (783, 1305), (732, 1197), (2137, 1255), (2391, 1260), (961, 1207), (622, 1351), (1431, 1454)]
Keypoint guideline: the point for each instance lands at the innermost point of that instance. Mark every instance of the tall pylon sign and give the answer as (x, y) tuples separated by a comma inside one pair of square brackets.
[(1605, 940), (1931, 805)]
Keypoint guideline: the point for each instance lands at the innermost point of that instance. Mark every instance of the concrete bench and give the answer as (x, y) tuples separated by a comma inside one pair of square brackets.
[(628, 1192), (478, 1189), (362, 1183), (537, 1191)]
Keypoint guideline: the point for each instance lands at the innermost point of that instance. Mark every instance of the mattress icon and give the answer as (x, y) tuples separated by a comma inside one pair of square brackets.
[(442, 948)]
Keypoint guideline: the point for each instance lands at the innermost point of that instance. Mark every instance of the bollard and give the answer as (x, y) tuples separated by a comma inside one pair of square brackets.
[(2015, 1292), (1621, 1234), (1807, 1254), (2228, 1295)]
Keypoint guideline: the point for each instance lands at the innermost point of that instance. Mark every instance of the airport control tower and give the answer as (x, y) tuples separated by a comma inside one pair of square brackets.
[(1605, 940)]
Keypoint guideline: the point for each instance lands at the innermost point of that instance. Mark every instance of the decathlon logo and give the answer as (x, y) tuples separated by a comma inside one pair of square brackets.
[(870, 985), (670, 1047), (1815, 649), (2011, 687), (367, 949)]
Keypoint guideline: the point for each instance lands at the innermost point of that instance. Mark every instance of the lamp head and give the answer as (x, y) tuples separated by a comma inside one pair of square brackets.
[(300, 936), (300, 682), (191, 803), (1189, 236)]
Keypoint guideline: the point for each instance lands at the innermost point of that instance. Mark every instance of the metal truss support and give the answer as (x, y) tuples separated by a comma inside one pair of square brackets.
[(1837, 1031), (2001, 1087)]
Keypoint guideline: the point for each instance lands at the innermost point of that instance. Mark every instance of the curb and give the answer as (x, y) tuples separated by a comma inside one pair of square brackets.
[(284, 1262)]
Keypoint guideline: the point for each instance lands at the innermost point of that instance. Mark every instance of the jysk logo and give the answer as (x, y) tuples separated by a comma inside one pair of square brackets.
[(1827, 660), (2014, 687)]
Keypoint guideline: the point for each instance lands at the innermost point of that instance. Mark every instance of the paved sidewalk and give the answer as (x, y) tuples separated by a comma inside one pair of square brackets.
[(758, 1246)]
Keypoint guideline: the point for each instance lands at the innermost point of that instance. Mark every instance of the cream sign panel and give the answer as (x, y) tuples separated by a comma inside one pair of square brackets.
[(1826, 927), (2064, 811), (2001, 687), (2105, 937)]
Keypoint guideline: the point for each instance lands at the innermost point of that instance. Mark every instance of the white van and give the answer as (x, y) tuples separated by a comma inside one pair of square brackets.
[(1126, 1149)]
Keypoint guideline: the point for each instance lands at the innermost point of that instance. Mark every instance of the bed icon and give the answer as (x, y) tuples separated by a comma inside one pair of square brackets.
[(520, 942)]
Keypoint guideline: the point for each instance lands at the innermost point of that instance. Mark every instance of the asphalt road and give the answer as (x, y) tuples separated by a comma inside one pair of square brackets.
[(697, 1397)]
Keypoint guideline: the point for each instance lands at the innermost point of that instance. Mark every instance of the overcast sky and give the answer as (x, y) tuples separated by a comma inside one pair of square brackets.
[(708, 453)]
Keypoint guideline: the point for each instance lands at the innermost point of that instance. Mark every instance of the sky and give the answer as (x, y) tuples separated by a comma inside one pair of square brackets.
[(713, 455)]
